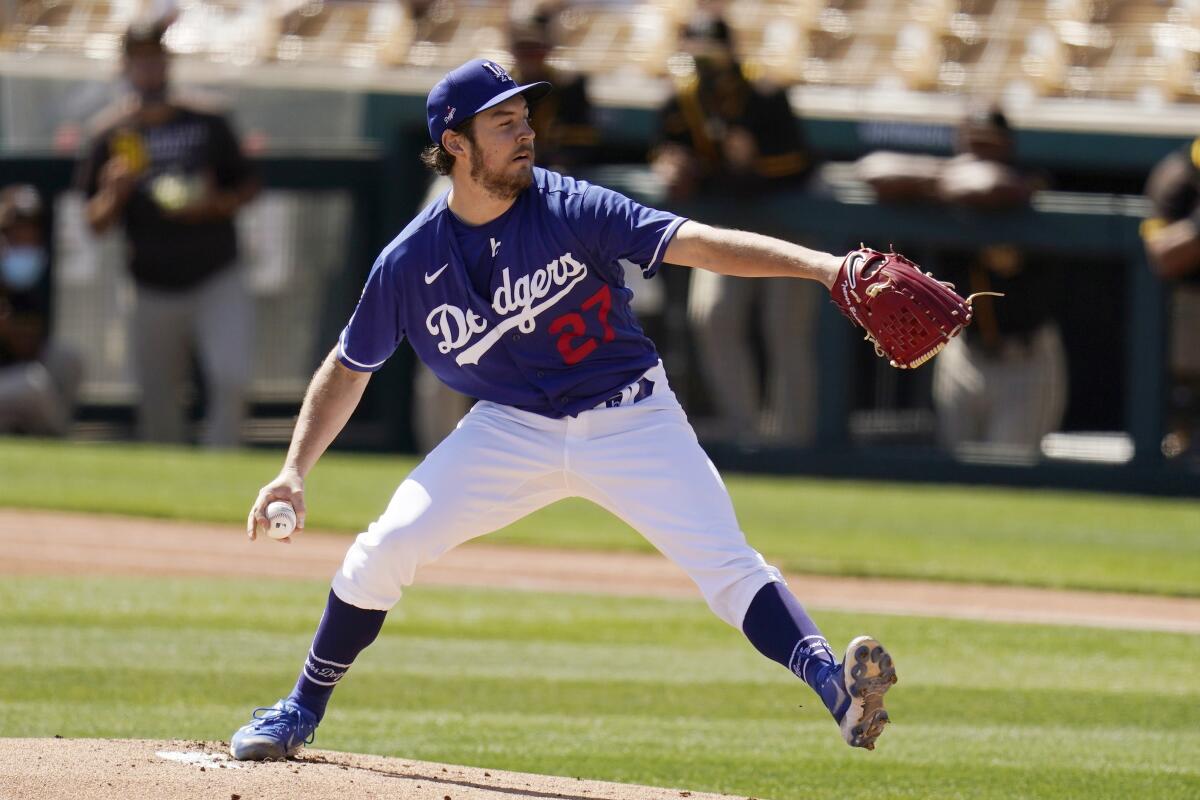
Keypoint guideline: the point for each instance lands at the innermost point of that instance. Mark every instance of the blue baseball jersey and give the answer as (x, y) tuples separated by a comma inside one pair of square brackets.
[(529, 310)]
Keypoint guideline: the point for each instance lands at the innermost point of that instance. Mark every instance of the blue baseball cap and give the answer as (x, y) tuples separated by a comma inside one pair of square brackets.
[(475, 86)]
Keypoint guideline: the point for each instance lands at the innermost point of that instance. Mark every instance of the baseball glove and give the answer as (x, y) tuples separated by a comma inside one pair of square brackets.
[(908, 315)]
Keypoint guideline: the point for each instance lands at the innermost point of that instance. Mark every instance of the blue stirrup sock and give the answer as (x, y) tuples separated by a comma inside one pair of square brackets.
[(779, 628), (344, 632)]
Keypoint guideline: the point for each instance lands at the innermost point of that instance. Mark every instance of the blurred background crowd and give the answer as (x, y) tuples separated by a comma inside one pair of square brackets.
[(193, 191)]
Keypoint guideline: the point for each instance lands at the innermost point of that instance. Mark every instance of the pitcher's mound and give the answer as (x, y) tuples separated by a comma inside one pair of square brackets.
[(131, 769)]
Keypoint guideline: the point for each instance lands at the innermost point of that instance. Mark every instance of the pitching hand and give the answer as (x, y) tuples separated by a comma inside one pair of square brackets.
[(287, 486)]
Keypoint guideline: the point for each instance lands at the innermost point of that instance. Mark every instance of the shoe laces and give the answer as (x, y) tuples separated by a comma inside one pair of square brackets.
[(282, 722)]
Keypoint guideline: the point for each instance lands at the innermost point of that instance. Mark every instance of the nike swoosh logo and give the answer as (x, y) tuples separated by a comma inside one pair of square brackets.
[(431, 278)]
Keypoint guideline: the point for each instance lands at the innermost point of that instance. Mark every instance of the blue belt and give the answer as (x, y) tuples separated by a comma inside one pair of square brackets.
[(633, 393)]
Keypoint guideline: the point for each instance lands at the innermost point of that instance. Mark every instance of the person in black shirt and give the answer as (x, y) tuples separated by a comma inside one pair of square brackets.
[(724, 135), (562, 120), (39, 378), (1172, 239), (720, 131), (174, 176)]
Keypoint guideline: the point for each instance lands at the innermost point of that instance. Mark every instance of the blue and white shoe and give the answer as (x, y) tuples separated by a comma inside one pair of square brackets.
[(275, 733), (860, 683)]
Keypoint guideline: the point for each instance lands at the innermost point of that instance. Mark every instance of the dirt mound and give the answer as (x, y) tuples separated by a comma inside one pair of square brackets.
[(131, 769)]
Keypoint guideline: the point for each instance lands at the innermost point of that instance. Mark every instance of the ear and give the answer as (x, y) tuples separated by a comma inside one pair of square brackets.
[(454, 144)]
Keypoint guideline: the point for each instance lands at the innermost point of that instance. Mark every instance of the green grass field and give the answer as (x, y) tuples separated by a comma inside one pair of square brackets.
[(648, 691), (1076, 540)]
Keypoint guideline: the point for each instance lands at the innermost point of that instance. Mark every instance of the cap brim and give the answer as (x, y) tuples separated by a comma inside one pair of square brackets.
[(532, 92)]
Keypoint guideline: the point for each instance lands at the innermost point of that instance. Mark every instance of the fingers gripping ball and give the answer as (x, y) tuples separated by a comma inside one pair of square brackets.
[(281, 518), (908, 314)]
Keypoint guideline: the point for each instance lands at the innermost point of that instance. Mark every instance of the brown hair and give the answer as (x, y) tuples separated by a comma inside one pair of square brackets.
[(435, 156), (144, 36)]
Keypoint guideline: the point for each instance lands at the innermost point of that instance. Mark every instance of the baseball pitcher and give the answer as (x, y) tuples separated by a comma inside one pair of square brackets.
[(510, 288)]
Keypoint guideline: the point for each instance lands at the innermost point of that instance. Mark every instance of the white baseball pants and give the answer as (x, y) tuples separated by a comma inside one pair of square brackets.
[(641, 461)]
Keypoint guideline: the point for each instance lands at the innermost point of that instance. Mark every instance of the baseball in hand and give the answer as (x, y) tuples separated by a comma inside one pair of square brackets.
[(281, 519)]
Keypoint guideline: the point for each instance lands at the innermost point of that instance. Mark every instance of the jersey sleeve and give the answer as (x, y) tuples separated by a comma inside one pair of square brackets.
[(375, 329), (229, 164), (673, 126), (87, 171), (623, 229), (1172, 185)]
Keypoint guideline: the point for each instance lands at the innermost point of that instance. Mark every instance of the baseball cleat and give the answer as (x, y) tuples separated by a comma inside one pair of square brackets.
[(867, 673), (275, 733)]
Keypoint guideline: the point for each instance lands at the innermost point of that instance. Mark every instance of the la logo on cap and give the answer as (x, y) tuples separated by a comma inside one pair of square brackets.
[(497, 71)]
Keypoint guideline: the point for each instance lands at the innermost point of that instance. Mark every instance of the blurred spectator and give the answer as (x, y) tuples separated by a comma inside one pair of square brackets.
[(1004, 379), (174, 176), (39, 379), (1172, 238), (724, 136), (562, 121), (564, 138)]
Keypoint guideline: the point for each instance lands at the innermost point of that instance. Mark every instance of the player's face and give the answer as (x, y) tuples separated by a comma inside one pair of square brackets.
[(712, 59), (531, 58), (501, 155), (146, 70), (986, 142)]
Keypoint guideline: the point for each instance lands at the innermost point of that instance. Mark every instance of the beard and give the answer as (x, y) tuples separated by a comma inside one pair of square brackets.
[(498, 184)]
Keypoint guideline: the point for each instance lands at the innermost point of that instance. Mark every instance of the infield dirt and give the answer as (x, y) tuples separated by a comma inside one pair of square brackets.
[(55, 543)]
